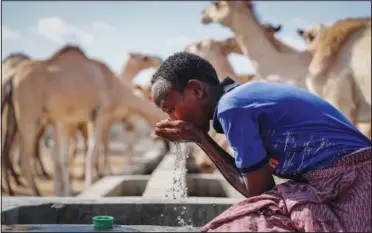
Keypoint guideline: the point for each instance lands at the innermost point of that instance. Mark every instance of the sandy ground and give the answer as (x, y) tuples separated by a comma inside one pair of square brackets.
[(119, 160)]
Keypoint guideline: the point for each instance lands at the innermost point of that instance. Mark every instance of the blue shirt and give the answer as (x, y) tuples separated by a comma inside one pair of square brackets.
[(291, 129)]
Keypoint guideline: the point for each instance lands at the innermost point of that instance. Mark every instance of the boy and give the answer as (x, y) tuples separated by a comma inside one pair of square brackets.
[(273, 129)]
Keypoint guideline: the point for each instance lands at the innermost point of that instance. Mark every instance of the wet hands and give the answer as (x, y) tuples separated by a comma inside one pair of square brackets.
[(177, 131)]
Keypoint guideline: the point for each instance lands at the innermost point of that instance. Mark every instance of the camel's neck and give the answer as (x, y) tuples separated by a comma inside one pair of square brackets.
[(252, 40), (223, 67), (283, 48), (128, 73), (267, 61)]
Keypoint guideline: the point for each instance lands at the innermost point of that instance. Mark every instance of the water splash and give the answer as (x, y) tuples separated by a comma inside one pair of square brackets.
[(179, 188)]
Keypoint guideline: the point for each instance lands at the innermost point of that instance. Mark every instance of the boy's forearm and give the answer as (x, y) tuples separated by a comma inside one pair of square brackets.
[(224, 162)]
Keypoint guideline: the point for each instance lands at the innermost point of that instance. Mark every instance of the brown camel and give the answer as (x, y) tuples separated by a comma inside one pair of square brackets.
[(41, 92), (342, 55), (122, 102), (9, 64), (135, 63), (55, 99)]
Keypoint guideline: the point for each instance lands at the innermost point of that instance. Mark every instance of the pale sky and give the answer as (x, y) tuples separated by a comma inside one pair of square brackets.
[(109, 30)]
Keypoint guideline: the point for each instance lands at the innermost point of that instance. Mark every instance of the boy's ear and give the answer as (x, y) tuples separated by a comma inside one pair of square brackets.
[(196, 87)]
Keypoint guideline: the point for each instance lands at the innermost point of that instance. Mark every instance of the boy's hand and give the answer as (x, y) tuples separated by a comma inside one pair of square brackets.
[(177, 131)]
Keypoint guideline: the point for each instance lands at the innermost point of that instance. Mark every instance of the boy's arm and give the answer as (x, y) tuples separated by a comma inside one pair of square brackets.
[(224, 162), (252, 184)]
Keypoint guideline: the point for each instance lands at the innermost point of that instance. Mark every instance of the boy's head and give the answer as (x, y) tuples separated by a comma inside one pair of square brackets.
[(183, 88)]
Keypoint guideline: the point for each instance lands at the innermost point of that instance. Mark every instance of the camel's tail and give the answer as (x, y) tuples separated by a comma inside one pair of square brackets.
[(11, 129), (7, 89)]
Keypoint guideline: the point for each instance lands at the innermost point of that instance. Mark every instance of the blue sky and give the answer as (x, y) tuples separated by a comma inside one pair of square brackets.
[(109, 30)]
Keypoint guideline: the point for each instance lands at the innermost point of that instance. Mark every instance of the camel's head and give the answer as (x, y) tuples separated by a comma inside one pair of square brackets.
[(230, 45), (144, 89), (222, 11), (205, 48), (312, 35), (143, 61)]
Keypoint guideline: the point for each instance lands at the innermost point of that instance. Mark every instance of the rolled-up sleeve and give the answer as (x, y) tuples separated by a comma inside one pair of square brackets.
[(242, 132)]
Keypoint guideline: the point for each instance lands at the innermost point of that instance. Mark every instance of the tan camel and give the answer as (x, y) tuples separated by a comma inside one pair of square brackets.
[(135, 63), (55, 97), (9, 64), (49, 91), (217, 52), (269, 63), (122, 103), (342, 57)]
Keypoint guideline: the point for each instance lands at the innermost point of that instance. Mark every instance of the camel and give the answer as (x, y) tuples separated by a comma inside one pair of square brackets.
[(135, 63), (9, 64), (122, 102), (342, 54), (216, 52), (41, 92), (270, 63)]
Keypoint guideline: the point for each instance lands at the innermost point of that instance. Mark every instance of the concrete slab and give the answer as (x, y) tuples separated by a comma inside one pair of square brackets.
[(126, 210), (90, 228), (110, 186)]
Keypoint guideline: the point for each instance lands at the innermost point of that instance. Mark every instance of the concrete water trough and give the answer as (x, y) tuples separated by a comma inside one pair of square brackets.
[(130, 213), (159, 183)]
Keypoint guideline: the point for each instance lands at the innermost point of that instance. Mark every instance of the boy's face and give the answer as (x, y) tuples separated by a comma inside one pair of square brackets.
[(189, 105)]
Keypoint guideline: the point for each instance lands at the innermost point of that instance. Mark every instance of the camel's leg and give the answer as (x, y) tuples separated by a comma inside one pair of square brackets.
[(340, 93), (101, 123), (72, 154), (6, 149), (64, 131), (83, 128), (105, 146), (27, 148), (14, 174), (38, 162), (11, 164)]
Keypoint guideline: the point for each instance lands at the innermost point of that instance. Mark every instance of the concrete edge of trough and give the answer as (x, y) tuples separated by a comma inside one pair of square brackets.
[(9, 203), (110, 185)]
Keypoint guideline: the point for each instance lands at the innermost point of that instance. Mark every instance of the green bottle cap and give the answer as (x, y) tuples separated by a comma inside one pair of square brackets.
[(103, 221)]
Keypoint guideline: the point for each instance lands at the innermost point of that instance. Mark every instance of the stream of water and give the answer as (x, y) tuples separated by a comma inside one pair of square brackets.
[(178, 191)]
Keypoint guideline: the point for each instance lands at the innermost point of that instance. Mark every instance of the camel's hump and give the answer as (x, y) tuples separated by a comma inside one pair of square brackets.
[(331, 41), (67, 49)]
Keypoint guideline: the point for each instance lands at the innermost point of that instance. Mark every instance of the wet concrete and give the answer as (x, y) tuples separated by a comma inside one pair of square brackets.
[(90, 228), (125, 210)]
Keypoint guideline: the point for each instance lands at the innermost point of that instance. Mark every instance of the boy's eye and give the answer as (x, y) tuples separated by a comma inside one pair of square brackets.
[(171, 110)]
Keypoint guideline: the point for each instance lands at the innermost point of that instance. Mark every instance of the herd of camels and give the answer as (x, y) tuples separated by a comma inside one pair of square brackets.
[(70, 91)]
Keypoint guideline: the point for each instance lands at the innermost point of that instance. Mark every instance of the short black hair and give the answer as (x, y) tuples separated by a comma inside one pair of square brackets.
[(182, 67)]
